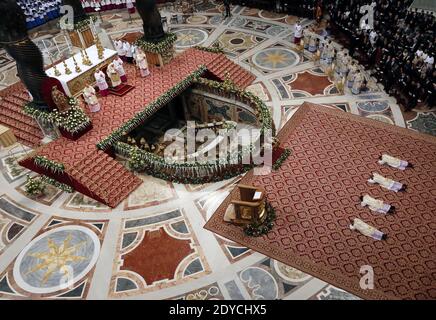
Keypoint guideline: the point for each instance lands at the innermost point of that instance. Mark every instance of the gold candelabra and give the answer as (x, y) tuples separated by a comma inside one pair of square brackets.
[(56, 71), (67, 70), (85, 59), (100, 48), (76, 65)]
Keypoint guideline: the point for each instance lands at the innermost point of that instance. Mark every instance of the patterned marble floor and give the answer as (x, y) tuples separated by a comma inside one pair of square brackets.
[(153, 246)]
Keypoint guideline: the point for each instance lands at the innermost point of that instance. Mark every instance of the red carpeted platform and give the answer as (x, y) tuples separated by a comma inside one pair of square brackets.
[(316, 194), (117, 110)]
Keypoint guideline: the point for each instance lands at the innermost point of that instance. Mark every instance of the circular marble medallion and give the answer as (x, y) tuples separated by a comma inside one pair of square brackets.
[(267, 15), (289, 273), (381, 118), (56, 259), (276, 59), (190, 37), (373, 106), (197, 19)]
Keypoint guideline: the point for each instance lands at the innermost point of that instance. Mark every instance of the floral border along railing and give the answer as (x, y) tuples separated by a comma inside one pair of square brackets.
[(200, 172)]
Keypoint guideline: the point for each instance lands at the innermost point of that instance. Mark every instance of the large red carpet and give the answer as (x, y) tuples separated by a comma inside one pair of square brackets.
[(316, 195)]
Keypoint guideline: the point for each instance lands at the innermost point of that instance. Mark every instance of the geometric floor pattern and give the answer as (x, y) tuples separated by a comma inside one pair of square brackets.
[(104, 245)]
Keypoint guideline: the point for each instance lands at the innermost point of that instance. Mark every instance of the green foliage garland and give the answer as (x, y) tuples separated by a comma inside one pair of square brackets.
[(159, 47), (140, 160), (56, 184), (276, 166), (257, 230), (83, 24), (48, 164), (216, 48)]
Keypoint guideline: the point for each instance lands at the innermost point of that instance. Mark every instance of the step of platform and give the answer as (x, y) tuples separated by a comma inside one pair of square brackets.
[(106, 179)]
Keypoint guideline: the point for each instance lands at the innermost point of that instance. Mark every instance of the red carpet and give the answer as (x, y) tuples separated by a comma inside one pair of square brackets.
[(316, 194)]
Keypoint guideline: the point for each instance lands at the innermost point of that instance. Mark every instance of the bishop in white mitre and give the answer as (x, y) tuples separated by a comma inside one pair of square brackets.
[(91, 99), (113, 75), (103, 87), (118, 64)]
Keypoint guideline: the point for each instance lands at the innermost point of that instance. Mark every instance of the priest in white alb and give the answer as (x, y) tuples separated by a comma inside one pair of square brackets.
[(91, 99), (386, 183), (376, 205), (103, 87), (118, 64), (367, 230), (394, 162), (113, 75), (141, 62)]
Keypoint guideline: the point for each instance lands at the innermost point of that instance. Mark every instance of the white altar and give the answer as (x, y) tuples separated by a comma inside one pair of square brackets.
[(75, 82)]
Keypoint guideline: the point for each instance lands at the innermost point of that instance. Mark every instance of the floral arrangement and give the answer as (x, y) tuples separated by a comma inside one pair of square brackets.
[(34, 186), (150, 109), (73, 120), (48, 164), (157, 47), (257, 230), (83, 24), (216, 48)]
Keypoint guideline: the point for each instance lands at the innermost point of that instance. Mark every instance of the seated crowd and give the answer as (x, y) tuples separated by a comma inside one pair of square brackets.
[(400, 48), (104, 5), (39, 12)]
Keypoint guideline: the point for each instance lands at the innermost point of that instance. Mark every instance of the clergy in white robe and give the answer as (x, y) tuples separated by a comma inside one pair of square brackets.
[(113, 75), (91, 99), (141, 61), (351, 74), (298, 32), (367, 230), (128, 49), (120, 50), (103, 87), (386, 183), (312, 44), (358, 81), (394, 162), (376, 205), (118, 64), (130, 6)]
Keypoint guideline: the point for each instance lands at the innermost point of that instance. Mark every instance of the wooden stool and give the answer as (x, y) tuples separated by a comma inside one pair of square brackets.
[(7, 137)]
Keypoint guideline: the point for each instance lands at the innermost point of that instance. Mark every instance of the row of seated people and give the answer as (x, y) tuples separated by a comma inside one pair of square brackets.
[(104, 5), (300, 8), (40, 11), (399, 46)]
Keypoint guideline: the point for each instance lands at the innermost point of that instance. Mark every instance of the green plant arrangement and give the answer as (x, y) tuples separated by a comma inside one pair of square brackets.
[(48, 164), (73, 120), (34, 186), (257, 230), (216, 48), (150, 109), (276, 166), (56, 184), (186, 172), (84, 24), (157, 47)]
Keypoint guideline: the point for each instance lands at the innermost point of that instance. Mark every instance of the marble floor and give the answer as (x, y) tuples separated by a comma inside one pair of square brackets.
[(153, 245)]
